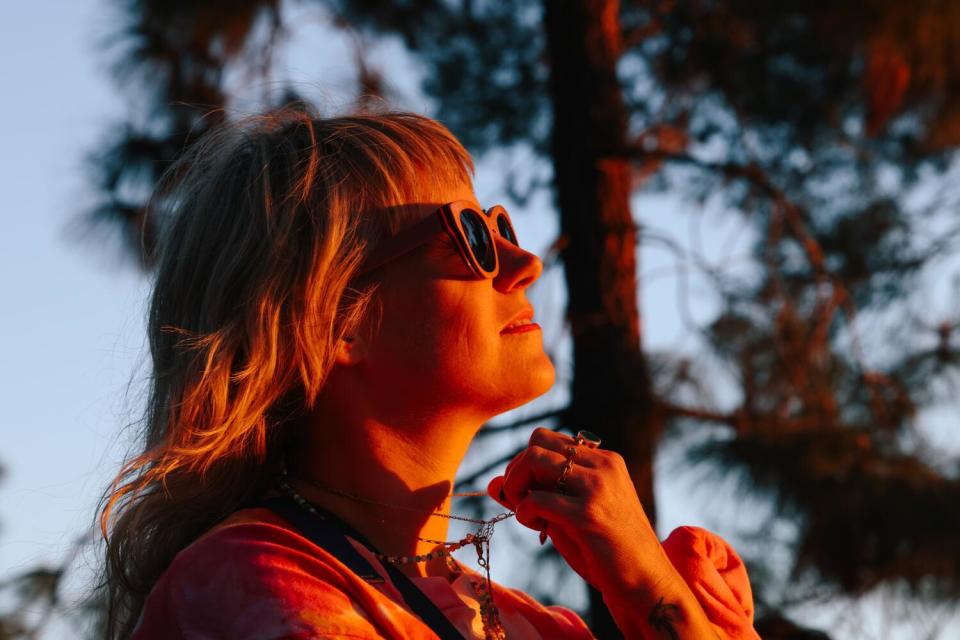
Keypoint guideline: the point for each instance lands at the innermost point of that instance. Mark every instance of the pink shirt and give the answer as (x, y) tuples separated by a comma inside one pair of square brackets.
[(254, 577)]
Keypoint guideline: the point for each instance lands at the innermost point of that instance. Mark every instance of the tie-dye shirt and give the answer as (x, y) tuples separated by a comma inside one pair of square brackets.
[(255, 577)]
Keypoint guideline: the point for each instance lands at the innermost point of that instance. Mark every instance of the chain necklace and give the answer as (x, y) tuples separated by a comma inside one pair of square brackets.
[(489, 615)]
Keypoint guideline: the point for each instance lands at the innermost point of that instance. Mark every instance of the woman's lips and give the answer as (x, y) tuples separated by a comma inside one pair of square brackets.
[(523, 328)]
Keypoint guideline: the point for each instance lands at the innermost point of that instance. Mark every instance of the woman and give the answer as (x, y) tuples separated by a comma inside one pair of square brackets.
[(334, 318)]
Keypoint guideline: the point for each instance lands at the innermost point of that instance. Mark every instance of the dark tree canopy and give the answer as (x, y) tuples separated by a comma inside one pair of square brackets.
[(815, 121)]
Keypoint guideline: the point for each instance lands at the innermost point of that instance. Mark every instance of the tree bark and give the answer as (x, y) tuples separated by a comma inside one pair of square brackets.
[(611, 389)]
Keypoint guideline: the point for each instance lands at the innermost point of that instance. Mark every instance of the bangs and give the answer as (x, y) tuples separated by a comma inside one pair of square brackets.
[(406, 159)]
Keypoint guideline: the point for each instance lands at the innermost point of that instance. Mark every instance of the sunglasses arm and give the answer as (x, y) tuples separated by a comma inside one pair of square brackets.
[(392, 247)]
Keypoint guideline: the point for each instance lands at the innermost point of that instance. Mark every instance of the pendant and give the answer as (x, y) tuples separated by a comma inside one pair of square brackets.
[(492, 627)]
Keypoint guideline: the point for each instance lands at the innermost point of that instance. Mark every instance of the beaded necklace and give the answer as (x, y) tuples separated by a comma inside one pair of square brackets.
[(489, 615)]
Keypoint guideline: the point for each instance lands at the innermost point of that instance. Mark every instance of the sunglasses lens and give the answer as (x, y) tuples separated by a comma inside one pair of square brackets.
[(506, 230), (478, 237)]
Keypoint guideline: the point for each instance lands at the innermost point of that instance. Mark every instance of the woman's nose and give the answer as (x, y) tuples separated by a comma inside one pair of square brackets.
[(518, 267)]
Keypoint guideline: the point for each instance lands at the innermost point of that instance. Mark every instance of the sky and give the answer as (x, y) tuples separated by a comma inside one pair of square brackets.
[(72, 350), (70, 336)]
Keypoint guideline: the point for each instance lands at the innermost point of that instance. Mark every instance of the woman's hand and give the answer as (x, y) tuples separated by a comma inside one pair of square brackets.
[(600, 528), (598, 525)]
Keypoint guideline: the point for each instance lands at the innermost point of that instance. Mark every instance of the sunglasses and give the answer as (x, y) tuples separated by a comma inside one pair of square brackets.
[(470, 227)]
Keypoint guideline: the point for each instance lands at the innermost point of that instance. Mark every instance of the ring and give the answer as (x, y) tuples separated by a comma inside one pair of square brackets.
[(588, 439), (567, 466)]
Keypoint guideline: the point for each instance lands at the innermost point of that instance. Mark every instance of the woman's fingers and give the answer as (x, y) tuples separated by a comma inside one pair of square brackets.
[(597, 522), (528, 516), (512, 463), (495, 488), (518, 479), (533, 505), (537, 468), (559, 442), (540, 508)]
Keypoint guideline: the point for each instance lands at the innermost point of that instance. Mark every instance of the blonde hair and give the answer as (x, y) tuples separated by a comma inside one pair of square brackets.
[(265, 222)]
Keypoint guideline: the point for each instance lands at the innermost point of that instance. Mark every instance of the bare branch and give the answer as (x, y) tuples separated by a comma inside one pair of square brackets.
[(523, 422), (469, 480)]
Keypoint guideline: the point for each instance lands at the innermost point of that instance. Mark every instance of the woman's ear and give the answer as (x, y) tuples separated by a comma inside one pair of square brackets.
[(351, 350)]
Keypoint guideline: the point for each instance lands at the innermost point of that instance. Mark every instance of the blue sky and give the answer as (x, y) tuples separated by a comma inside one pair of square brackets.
[(70, 331), (72, 351), (71, 338)]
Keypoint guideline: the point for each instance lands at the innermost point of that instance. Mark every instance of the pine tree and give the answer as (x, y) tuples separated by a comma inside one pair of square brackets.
[(816, 122)]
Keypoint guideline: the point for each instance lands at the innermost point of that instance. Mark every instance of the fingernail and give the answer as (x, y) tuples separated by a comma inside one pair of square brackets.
[(543, 537), (503, 496)]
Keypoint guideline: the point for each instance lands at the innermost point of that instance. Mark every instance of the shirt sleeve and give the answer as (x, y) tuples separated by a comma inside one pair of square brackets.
[(717, 577), (253, 586)]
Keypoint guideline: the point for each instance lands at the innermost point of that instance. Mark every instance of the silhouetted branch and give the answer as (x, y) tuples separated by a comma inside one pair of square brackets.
[(468, 481), (523, 422)]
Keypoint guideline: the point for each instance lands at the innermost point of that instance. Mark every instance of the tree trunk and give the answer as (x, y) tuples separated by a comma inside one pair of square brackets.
[(610, 390)]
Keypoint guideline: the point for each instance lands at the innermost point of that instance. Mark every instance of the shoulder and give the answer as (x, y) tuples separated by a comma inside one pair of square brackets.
[(717, 577), (525, 616), (551, 621), (252, 576)]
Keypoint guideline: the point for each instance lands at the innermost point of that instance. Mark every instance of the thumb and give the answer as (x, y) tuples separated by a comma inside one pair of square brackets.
[(532, 512)]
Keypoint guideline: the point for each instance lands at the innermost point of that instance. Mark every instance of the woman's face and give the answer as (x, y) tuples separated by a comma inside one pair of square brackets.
[(441, 342)]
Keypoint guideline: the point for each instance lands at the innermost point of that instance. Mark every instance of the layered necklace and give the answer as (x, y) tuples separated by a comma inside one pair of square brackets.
[(480, 540)]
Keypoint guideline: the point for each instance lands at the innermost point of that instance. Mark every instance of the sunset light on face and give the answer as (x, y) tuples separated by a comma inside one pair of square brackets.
[(438, 321)]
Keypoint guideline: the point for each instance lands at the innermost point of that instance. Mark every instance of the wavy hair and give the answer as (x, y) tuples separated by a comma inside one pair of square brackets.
[(264, 223)]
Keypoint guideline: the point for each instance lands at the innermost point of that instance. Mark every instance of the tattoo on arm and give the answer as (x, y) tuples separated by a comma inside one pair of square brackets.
[(662, 619)]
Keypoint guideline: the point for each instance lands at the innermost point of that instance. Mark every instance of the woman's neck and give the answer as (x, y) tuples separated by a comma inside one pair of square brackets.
[(410, 468)]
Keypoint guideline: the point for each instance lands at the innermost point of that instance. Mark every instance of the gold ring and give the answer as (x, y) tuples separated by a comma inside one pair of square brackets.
[(565, 470), (588, 438)]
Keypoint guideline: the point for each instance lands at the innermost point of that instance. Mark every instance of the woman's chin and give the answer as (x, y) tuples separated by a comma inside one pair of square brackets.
[(532, 382), (546, 375)]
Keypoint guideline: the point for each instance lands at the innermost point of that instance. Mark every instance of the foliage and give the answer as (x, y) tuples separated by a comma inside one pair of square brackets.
[(39, 595), (171, 57), (818, 123)]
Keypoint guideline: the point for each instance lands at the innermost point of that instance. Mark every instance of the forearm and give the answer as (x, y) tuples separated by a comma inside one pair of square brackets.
[(668, 611)]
